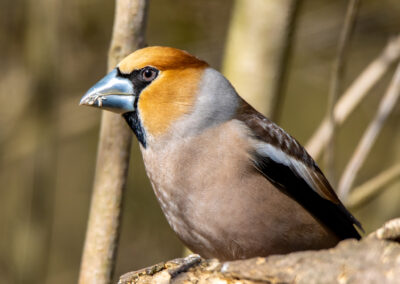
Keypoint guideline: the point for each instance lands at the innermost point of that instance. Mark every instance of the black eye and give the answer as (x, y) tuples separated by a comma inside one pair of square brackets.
[(148, 74)]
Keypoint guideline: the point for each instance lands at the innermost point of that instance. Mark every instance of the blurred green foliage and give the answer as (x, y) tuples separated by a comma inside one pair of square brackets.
[(53, 51)]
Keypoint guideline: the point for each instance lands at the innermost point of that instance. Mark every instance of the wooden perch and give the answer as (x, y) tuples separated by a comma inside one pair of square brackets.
[(102, 234), (374, 259)]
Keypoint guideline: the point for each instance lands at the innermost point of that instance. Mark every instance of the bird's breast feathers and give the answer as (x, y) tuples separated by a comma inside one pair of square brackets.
[(271, 151)]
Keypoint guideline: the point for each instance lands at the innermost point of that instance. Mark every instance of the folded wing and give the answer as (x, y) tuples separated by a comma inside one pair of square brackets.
[(286, 164)]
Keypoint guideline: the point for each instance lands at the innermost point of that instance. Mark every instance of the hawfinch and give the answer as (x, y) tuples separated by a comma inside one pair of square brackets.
[(231, 183)]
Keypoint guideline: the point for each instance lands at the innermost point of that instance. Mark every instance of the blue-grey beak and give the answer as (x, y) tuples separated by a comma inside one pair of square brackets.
[(112, 93)]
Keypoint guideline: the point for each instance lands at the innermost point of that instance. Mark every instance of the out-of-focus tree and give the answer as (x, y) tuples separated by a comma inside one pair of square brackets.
[(257, 51), (41, 51)]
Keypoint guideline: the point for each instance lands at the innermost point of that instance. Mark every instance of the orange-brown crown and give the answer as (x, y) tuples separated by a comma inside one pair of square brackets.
[(163, 58)]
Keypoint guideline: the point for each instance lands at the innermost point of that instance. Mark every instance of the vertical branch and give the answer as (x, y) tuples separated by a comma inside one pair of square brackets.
[(370, 135), (257, 40), (338, 73), (278, 89), (98, 260)]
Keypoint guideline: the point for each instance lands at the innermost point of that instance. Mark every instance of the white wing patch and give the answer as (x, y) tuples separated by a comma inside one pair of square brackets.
[(312, 178)]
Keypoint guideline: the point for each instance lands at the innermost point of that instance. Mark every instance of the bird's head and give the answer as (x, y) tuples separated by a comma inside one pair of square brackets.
[(163, 90)]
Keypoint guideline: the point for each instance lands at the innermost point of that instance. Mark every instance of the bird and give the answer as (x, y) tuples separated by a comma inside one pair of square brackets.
[(231, 183)]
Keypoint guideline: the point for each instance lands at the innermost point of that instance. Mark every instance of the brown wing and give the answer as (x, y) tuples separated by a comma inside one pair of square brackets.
[(285, 163)]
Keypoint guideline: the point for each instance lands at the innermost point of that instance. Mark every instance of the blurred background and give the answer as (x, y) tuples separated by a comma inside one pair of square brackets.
[(53, 51)]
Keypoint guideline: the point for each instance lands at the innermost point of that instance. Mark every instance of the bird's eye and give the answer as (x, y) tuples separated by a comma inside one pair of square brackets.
[(148, 74)]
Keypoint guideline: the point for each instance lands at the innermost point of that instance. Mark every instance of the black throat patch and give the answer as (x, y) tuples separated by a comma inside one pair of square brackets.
[(132, 117), (134, 123)]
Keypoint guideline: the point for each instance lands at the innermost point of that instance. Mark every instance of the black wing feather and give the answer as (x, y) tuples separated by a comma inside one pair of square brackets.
[(334, 216), (307, 184)]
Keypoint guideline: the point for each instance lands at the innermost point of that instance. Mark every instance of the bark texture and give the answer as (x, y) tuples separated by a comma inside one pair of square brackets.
[(374, 259)]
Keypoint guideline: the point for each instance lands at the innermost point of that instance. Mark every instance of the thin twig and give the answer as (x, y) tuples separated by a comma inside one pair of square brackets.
[(357, 91), (370, 135), (98, 260), (338, 74), (368, 190), (278, 89)]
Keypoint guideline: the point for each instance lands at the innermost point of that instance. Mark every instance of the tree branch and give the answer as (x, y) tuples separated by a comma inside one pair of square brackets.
[(278, 89), (373, 259), (365, 192), (370, 135), (355, 94), (337, 82), (102, 234)]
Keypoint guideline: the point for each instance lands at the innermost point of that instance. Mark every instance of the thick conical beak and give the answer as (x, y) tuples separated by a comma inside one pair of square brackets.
[(112, 93)]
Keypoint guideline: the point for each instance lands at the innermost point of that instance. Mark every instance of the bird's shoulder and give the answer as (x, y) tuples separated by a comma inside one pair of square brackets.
[(275, 145)]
